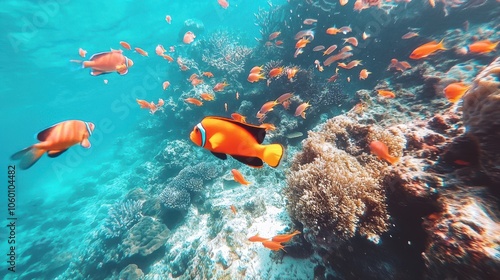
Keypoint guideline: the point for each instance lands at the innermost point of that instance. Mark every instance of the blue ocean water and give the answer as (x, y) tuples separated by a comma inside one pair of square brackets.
[(61, 202)]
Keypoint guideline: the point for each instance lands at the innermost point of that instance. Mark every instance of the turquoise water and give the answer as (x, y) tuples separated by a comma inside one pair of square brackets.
[(61, 202)]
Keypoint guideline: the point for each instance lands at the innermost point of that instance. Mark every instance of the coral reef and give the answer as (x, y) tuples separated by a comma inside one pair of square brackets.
[(121, 217), (482, 118), (145, 237)]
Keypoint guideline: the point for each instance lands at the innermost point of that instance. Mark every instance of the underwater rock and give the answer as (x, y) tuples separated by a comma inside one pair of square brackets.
[(131, 272), (145, 237), (482, 118)]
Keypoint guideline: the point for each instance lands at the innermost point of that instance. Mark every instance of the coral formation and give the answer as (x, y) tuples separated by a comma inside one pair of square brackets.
[(145, 237), (121, 217)]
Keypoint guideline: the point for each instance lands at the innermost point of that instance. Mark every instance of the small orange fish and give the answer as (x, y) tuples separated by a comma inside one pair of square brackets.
[(351, 40), (318, 66), (168, 19), (223, 3), (363, 74), (461, 162), (167, 57), (257, 238), (409, 35), (284, 97), (365, 36), (274, 35), (399, 65), (239, 117), (233, 209), (382, 152), (275, 72), (432, 3), (207, 96), (208, 74), (427, 49), (268, 126), (159, 50), (188, 37), (238, 177), (310, 21), (330, 49), (256, 69), (194, 101), (301, 109), (275, 246), (291, 72), (82, 52), (165, 85), (141, 51), (484, 46), (302, 43), (196, 81), (360, 5), (278, 43), (55, 140), (107, 62), (285, 237), (125, 45), (268, 106), (220, 86), (147, 105), (193, 76), (455, 91), (255, 77), (332, 31), (343, 2), (161, 102), (286, 104), (386, 93)]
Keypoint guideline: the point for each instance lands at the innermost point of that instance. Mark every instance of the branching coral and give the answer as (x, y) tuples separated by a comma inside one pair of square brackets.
[(121, 217), (175, 198), (338, 191)]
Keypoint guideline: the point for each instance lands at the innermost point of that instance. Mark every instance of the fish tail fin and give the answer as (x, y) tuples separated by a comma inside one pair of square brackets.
[(273, 154), (393, 160), (441, 45), (28, 156), (494, 45)]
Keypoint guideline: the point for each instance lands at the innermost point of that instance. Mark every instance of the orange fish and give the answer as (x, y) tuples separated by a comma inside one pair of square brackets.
[(168, 18), (284, 97), (318, 66), (125, 45), (233, 209), (208, 74), (166, 84), (188, 37), (351, 40), (147, 105), (301, 110), (107, 62), (268, 106), (409, 35), (343, 2), (278, 43), (275, 246), (167, 57), (239, 117), (339, 56), (194, 101), (161, 102), (310, 21), (55, 140), (268, 126), (399, 65), (382, 152), (223, 137), (363, 74), (220, 86), (256, 69), (238, 177), (257, 238), (360, 5), (255, 77), (159, 50), (82, 52), (302, 43), (223, 3), (345, 29), (193, 76), (332, 31), (427, 49), (275, 72), (291, 72), (207, 96), (484, 46), (285, 237), (455, 91), (274, 35), (196, 81), (365, 36), (141, 51), (386, 93)]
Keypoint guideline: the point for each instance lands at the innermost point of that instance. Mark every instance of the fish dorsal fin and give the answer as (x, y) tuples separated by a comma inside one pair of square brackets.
[(42, 135), (216, 140), (97, 55), (257, 132)]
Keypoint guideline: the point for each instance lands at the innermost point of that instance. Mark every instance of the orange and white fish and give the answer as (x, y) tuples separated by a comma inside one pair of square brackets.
[(108, 62), (165, 85), (365, 36), (427, 49), (386, 93), (301, 110), (82, 52), (363, 74), (125, 45), (220, 86), (223, 136), (284, 237), (484, 46), (188, 37), (382, 152), (275, 246), (55, 140), (168, 19), (238, 177), (239, 117), (455, 91), (223, 3), (141, 51), (233, 209), (255, 77), (194, 101), (318, 66), (257, 238), (343, 2)]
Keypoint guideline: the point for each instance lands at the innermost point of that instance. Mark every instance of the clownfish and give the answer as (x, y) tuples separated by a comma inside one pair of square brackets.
[(107, 62), (223, 136), (55, 140)]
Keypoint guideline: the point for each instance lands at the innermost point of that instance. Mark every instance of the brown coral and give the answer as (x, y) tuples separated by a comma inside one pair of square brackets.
[(482, 118)]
